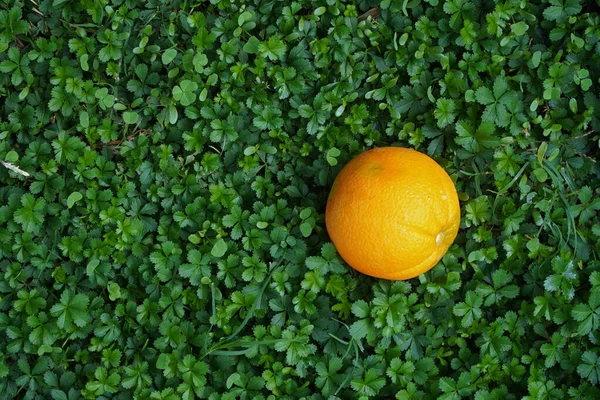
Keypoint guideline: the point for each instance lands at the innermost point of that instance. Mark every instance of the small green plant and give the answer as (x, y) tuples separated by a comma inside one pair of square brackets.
[(165, 167)]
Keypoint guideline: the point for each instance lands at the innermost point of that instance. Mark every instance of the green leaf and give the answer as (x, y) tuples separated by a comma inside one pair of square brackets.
[(114, 291), (168, 56), (245, 16), (73, 198), (520, 28), (484, 96), (561, 9), (130, 117), (332, 155), (587, 317), (219, 248), (469, 309), (306, 229), (185, 92), (72, 309), (361, 329), (590, 367), (11, 157), (252, 45), (274, 49), (361, 309), (553, 351), (370, 385), (84, 119), (445, 112), (32, 214), (67, 148), (320, 11)]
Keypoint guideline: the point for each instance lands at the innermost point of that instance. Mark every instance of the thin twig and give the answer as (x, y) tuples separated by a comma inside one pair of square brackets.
[(373, 13), (588, 133), (138, 132), (35, 8), (14, 168), (19, 42)]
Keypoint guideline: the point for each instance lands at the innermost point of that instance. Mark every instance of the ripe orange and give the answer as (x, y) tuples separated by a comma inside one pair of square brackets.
[(392, 213)]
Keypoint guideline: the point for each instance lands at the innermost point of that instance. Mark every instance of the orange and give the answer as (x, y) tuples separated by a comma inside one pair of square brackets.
[(392, 213)]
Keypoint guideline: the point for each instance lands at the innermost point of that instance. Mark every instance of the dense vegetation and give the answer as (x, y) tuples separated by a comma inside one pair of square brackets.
[(165, 167)]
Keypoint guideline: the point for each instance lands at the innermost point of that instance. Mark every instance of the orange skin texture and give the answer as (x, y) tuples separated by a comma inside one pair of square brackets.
[(392, 213)]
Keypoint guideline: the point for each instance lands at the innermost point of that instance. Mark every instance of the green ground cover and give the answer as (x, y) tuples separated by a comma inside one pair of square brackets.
[(165, 167)]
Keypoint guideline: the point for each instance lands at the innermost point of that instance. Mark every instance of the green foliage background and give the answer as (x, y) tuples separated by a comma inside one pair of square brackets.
[(169, 242)]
